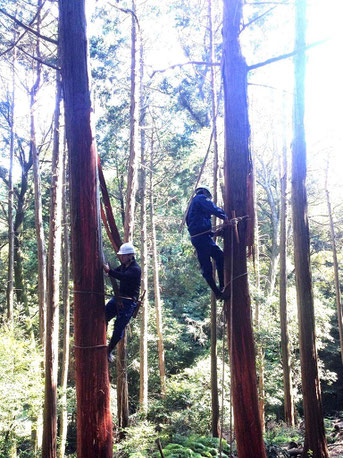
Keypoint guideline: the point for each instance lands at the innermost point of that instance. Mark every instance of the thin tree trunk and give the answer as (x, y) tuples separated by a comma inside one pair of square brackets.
[(49, 448), (134, 138), (122, 389), (66, 307), (315, 440), (94, 425), (335, 264), (42, 282), (157, 296), (286, 366), (143, 386), (214, 370), (10, 277), (237, 169)]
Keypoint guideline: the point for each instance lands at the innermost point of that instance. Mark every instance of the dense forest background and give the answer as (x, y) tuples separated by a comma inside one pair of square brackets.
[(175, 89)]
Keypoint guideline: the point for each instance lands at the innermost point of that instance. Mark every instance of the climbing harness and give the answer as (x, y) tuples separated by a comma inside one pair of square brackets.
[(139, 303)]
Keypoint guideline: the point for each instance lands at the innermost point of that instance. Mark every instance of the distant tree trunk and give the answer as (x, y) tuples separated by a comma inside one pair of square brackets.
[(49, 447), (94, 425), (143, 387), (18, 227), (10, 275), (237, 169), (260, 350), (66, 307), (335, 263), (214, 370), (122, 389), (287, 375), (42, 282), (315, 440), (157, 295), (134, 139)]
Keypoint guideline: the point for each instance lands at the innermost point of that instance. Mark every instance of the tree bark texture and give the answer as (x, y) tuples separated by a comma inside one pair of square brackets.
[(157, 295), (214, 369), (237, 168), (94, 425), (285, 351), (66, 308), (42, 281), (314, 426), (49, 446)]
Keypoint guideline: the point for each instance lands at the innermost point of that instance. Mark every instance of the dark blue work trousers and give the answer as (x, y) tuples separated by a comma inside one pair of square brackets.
[(123, 313), (206, 249)]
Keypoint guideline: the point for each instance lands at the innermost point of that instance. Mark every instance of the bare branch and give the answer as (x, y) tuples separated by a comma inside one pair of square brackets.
[(210, 64), (26, 27), (41, 61), (257, 18), (283, 56)]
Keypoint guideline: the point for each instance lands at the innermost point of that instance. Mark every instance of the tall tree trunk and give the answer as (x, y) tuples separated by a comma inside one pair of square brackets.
[(94, 425), (335, 263), (122, 389), (237, 168), (42, 282), (286, 366), (143, 387), (214, 370), (10, 275), (314, 426), (66, 307), (49, 448), (134, 138), (157, 296)]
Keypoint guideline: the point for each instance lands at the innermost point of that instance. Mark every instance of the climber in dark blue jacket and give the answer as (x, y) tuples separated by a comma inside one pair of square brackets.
[(198, 221)]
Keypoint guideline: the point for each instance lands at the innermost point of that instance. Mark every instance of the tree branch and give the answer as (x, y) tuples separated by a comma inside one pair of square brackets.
[(41, 61), (210, 64), (29, 29), (283, 56), (257, 18)]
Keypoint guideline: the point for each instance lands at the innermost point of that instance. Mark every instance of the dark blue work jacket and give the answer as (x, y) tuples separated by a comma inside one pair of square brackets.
[(199, 214), (129, 278)]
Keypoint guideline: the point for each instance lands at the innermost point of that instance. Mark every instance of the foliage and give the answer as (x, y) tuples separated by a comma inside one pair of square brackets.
[(21, 387)]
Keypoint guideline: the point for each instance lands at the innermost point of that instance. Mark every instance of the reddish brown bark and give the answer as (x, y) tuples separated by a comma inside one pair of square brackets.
[(94, 426), (237, 168)]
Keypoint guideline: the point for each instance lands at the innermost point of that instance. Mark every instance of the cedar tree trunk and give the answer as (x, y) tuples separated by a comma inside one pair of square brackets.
[(314, 426), (94, 425), (237, 168)]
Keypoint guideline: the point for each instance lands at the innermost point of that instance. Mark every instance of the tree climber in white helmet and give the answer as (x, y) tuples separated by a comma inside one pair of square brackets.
[(199, 226), (129, 276)]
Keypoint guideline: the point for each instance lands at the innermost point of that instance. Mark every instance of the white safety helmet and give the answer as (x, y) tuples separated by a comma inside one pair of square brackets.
[(203, 188), (126, 248)]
